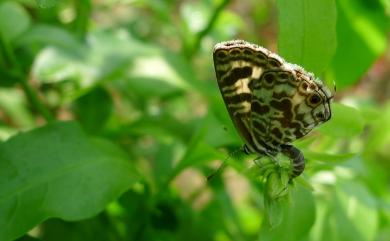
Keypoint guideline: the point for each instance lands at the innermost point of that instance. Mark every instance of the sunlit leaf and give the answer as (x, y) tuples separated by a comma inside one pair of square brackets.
[(307, 32)]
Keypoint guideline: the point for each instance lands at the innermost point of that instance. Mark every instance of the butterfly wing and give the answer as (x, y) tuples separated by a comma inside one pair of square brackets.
[(268, 99), (287, 104), (237, 64)]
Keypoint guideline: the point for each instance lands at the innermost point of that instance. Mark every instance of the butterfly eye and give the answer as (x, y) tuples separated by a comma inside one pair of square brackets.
[(314, 99)]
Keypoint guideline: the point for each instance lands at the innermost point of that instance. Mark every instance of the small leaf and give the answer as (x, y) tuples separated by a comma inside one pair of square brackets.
[(13, 20), (95, 105), (52, 36), (276, 192), (56, 171), (299, 217)]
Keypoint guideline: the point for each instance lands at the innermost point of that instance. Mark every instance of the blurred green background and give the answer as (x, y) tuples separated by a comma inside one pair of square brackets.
[(111, 120)]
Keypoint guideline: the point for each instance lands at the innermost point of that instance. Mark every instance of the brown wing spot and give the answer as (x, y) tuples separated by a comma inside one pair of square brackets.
[(283, 76), (283, 105), (221, 54), (248, 52), (298, 134), (259, 109), (274, 63), (236, 74), (269, 78), (235, 52), (261, 56), (239, 98), (279, 95)]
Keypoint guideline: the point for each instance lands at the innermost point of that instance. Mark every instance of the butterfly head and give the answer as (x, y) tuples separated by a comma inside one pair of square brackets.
[(317, 98)]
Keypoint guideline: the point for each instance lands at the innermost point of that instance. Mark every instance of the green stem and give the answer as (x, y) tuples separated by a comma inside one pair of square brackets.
[(83, 12), (14, 67), (33, 98)]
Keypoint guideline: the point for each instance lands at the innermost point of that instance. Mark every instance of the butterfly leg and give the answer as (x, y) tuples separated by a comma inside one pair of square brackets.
[(298, 160)]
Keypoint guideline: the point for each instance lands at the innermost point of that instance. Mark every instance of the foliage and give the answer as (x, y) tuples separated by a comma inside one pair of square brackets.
[(111, 120)]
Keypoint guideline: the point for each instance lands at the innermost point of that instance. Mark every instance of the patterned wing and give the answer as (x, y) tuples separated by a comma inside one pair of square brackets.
[(287, 104), (270, 101), (237, 65)]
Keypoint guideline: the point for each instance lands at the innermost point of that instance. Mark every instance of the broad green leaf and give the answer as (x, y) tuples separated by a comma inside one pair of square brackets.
[(13, 20), (57, 171), (345, 122), (362, 28), (307, 32)]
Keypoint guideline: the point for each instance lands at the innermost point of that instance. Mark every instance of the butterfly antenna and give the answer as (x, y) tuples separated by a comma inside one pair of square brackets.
[(223, 164)]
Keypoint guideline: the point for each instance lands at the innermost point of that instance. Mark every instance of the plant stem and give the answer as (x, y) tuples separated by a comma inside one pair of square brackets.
[(83, 12), (33, 98), (13, 66)]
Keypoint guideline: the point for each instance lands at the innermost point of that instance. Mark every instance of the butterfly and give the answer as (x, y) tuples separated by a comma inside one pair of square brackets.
[(270, 101)]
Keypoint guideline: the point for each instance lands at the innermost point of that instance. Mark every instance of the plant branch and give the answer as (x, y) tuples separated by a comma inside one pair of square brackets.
[(36, 103), (14, 67)]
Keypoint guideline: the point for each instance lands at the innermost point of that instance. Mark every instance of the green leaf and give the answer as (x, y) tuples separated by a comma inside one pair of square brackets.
[(355, 212), (52, 36), (276, 194), (299, 217), (346, 121), (307, 32), (56, 171), (327, 157), (379, 135), (362, 28), (47, 3), (93, 109), (12, 103), (13, 20)]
